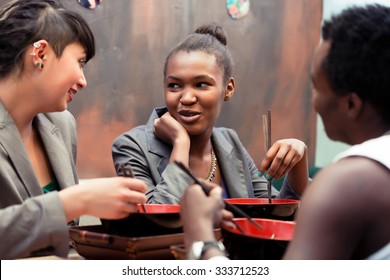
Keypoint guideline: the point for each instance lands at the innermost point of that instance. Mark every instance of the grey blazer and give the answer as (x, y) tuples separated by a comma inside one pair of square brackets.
[(29, 220), (149, 157)]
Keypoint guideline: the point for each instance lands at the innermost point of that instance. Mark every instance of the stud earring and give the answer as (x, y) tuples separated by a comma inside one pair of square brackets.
[(38, 64), (37, 45)]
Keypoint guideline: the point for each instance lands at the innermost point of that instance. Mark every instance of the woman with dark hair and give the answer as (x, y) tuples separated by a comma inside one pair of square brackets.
[(197, 80), (43, 50)]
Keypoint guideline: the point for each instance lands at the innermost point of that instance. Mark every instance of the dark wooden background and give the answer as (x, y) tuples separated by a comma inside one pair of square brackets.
[(271, 46)]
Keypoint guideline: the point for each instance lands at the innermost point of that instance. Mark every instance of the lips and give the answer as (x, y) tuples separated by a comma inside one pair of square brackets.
[(188, 115), (70, 94)]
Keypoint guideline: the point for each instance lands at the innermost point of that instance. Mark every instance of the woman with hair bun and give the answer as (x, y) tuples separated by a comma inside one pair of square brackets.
[(198, 79)]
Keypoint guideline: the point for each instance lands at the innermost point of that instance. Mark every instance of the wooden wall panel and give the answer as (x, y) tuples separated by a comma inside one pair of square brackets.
[(271, 46)]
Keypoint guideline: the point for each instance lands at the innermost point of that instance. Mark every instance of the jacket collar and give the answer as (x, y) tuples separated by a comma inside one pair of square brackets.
[(58, 155)]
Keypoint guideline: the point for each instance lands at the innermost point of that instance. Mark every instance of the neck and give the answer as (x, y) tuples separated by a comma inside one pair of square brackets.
[(18, 105), (366, 133), (200, 146)]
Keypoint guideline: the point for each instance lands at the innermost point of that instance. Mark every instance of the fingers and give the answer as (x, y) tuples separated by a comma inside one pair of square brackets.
[(136, 185), (282, 157)]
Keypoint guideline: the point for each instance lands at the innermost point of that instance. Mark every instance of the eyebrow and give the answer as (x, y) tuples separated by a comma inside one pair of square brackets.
[(199, 77)]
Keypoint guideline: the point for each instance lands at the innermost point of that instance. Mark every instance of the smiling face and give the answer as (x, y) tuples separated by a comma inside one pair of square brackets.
[(194, 90), (64, 76)]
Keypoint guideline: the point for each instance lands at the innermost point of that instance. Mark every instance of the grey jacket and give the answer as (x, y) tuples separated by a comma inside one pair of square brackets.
[(30, 222), (149, 157)]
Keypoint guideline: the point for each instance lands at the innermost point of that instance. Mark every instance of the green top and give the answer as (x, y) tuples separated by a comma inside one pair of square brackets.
[(52, 186)]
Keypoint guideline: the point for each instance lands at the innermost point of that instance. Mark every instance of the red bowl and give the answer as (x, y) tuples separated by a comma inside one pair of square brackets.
[(254, 243), (152, 219), (279, 209), (158, 208)]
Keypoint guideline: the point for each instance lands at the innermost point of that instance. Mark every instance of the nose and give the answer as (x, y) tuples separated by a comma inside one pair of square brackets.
[(188, 97), (82, 83)]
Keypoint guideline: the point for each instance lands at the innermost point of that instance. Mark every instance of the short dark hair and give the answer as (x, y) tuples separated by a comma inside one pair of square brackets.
[(359, 56), (22, 22), (211, 39)]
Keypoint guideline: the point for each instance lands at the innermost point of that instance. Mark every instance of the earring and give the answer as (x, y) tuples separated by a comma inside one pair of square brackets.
[(38, 64), (37, 45)]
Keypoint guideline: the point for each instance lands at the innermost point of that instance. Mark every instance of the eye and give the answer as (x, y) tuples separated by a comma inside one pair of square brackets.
[(82, 62), (173, 86), (202, 85)]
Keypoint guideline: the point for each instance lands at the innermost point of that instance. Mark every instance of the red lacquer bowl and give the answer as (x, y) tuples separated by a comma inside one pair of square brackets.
[(152, 219), (270, 242), (279, 209)]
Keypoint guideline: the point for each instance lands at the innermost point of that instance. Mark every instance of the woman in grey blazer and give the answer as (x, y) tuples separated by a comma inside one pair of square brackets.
[(197, 80), (41, 68)]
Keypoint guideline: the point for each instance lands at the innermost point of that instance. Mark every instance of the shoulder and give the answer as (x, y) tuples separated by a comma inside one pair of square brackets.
[(347, 185), (62, 119), (134, 134)]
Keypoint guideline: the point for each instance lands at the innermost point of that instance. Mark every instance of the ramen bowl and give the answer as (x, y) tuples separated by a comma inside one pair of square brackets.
[(151, 219), (279, 209), (252, 243)]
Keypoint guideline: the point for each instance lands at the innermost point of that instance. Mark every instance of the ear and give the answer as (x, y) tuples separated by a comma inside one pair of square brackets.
[(229, 90), (38, 53), (354, 105)]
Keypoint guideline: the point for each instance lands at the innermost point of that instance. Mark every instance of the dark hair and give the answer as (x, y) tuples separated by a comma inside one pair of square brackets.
[(211, 39), (359, 56), (23, 22)]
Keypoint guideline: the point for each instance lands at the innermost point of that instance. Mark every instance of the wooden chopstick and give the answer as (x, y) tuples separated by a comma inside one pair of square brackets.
[(128, 172), (234, 209), (267, 145)]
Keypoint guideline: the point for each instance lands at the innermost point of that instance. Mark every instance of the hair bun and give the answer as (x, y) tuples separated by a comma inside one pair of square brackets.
[(214, 30)]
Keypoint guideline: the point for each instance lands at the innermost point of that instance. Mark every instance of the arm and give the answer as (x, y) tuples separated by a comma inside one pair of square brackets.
[(131, 148), (200, 214), (333, 216), (37, 223), (150, 153)]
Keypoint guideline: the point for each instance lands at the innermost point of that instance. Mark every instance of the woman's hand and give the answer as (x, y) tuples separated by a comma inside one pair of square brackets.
[(201, 213), (107, 198), (171, 131), (283, 155)]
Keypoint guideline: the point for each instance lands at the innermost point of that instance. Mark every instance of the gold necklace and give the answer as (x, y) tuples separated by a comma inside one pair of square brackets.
[(213, 167)]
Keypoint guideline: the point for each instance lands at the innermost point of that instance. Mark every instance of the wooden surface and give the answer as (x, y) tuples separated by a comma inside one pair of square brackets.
[(271, 46)]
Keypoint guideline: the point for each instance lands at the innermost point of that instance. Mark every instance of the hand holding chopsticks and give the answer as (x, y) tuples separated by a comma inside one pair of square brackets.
[(128, 172), (234, 209)]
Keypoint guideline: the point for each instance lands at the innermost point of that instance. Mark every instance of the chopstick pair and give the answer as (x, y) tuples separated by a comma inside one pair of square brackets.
[(267, 145), (232, 208), (128, 172)]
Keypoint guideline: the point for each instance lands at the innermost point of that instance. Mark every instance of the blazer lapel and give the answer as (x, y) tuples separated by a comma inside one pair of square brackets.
[(59, 157), (11, 141), (231, 167), (155, 145)]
